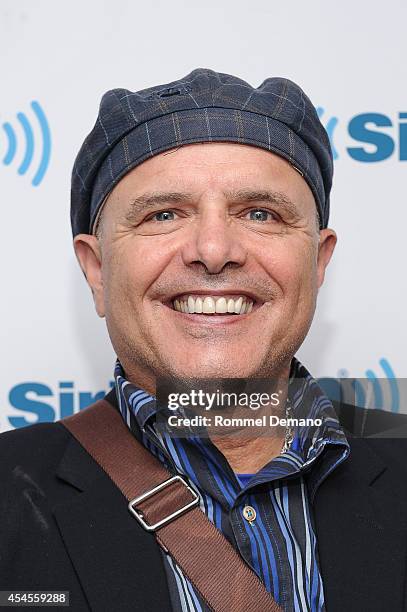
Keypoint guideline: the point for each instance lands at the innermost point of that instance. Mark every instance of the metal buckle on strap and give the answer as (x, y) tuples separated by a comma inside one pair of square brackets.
[(139, 515)]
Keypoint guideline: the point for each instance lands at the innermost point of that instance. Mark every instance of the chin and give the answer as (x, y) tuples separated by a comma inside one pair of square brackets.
[(220, 369)]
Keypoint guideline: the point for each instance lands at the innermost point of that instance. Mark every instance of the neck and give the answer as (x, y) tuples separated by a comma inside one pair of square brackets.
[(248, 456), (248, 449)]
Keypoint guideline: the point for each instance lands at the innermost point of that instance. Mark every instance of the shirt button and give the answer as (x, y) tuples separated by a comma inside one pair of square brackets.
[(249, 513)]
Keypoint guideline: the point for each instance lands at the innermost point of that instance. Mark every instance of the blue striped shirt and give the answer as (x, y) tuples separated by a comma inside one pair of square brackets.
[(280, 545)]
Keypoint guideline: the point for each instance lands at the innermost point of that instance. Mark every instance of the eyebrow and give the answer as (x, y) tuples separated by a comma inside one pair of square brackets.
[(264, 195), (146, 201)]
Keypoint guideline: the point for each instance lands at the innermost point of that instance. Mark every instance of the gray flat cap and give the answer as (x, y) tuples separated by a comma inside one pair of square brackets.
[(204, 106)]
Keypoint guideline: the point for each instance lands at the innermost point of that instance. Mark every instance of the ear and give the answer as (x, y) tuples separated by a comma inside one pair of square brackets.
[(88, 253), (327, 242)]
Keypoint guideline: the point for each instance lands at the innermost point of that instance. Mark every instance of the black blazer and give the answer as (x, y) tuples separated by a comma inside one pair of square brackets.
[(65, 526)]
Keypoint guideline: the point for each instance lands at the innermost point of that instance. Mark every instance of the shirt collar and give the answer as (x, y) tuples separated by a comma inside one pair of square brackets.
[(305, 396), (133, 399), (308, 400)]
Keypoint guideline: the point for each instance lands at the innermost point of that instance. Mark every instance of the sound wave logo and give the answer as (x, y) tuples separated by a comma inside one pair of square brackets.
[(329, 126), (373, 392), (29, 143)]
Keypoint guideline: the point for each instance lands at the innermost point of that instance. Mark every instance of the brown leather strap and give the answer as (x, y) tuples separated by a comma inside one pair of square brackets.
[(214, 567)]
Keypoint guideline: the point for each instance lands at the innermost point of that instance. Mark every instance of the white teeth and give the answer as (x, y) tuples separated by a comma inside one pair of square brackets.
[(191, 304), (208, 306), (198, 305), (238, 305), (221, 305)]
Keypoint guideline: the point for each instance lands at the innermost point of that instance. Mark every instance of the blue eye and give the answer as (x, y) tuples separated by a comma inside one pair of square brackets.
[(259, 215), (164, 215)]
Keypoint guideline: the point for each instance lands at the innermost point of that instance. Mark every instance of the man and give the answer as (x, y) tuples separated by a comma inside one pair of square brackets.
[(199, 213)]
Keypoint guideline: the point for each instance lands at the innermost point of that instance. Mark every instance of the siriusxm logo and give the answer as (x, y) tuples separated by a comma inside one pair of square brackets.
[(38, 400), (24, 139), (384, 393), (381, 136), (48, 405)]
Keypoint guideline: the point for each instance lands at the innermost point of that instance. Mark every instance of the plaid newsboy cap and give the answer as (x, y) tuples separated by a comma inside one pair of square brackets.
[(204, 106)]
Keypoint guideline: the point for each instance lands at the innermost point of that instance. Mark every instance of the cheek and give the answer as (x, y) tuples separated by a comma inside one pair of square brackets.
[(292, 267), (128, 274)]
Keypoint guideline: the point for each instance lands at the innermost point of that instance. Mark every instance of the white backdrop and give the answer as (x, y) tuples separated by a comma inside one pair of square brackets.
[(349, 57)]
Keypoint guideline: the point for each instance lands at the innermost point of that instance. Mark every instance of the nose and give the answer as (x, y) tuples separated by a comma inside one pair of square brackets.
[(213, 240)]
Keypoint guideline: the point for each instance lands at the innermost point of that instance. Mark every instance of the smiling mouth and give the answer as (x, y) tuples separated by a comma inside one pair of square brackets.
[(214, 304)]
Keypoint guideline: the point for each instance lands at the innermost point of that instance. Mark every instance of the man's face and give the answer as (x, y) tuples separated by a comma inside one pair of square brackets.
[(212, 225)]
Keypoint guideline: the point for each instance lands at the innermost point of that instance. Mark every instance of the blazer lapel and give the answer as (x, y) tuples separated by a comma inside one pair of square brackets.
[(119, 565), (360, 520)]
